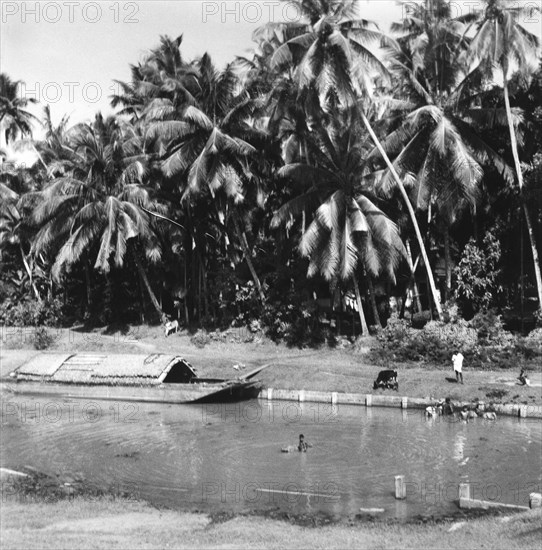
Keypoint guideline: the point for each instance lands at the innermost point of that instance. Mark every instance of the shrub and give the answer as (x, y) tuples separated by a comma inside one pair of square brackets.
[(477, 275), (419, 320), (200, 339), (294, 322), (535, 337), (32, 313), (490, 329), (42, 338), (437, 341)]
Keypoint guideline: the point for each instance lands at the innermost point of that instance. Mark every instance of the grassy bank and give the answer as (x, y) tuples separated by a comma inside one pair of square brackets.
[(107, 523), (351, 369)]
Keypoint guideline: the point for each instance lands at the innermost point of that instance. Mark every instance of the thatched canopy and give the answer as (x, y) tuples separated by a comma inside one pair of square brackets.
[(96, 368)]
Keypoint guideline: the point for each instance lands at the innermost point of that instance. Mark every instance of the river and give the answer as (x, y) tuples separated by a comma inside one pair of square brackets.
[(228, 457)]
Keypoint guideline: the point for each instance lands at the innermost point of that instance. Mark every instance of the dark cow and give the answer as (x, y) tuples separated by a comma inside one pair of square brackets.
[(387, 379)]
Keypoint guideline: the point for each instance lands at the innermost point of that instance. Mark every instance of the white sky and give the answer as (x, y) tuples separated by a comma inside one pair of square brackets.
[(69, 52)]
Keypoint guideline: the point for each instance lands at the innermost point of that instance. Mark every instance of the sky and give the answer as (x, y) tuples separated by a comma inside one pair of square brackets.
[(68, 52)]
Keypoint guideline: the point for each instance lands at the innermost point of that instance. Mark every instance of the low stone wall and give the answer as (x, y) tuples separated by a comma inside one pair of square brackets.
[(377, 400)]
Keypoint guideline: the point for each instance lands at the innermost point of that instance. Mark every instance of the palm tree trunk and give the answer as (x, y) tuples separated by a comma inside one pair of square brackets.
[(246, 252), (447, 263), (364, 327), (372, 298), (410, 211), (514, 144), (148, 287), (29, 273), (412, 280), (87, 282)]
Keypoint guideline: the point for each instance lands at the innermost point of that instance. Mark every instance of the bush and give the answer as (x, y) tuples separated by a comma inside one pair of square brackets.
[(490, 328), (437, 341), (32, 313), (295, 323), (535, 337), (419, 320), (200, 339), (477, 274), (42, 338)]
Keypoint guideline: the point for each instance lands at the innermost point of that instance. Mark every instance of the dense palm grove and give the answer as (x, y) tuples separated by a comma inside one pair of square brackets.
[(337, 168)]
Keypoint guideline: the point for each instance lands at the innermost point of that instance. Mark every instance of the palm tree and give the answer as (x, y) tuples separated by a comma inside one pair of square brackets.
[(208, 146), (435, 138), (14, 183), (331, 51), (15, 120), (501, 42), (348, 233), (94, 207)]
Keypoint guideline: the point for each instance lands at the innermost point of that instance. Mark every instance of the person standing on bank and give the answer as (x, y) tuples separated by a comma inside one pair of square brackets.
[(457, 361)]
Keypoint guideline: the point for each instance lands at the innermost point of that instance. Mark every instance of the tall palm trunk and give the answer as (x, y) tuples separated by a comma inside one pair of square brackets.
[(447, 263), (364, 327), (372, 298), (412, 279), (88, 285), (411, 212), (248, 258), (148, 287), (29, 273), (530, 230)]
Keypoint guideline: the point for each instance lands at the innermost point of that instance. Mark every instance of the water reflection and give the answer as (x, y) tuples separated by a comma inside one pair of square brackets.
[(228, 456)]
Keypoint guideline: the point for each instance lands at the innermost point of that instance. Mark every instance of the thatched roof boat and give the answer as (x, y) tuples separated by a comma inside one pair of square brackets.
[(156, 377)]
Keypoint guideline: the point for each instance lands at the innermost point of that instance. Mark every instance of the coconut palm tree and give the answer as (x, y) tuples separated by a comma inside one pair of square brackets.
[(15, 120), (435, 125), (333, 52), (502, 43), (15, 181), (207, 144), (93, 208), (348, 233)]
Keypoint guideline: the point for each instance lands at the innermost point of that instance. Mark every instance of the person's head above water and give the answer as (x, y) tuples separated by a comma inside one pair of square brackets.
[(301, 437)]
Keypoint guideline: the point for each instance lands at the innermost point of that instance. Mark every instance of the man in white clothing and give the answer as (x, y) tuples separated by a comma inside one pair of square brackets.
[(457, 360)]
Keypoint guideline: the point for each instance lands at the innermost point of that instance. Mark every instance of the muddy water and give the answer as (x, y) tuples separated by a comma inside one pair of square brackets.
[(228, 457)]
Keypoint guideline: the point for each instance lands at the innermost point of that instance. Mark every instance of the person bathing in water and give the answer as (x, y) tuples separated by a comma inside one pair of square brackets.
[(301, 447)]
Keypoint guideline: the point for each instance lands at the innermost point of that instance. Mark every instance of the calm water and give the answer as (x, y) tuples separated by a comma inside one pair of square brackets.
[(227, 457)]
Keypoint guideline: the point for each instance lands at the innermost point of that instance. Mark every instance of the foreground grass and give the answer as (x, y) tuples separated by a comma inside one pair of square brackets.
[(106, 523), (325, 369)]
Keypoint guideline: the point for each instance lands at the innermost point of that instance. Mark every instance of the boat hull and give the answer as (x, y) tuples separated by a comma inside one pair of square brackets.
[(172, 393)]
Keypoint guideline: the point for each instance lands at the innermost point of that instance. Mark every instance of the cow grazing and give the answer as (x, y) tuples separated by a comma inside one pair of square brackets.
[(171, 327), (387, 379)]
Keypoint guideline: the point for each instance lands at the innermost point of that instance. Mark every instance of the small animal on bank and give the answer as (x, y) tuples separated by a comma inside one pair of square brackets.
[(171, 327), (387, 379)]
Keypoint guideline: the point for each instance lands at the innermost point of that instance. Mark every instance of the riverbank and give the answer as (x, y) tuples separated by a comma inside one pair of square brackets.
[(106, 523), (348, 370)]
